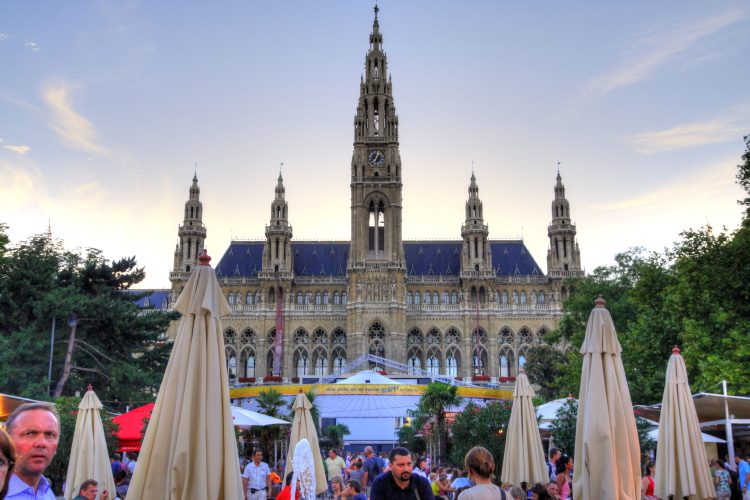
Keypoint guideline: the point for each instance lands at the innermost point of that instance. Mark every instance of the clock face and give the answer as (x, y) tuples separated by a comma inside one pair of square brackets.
[(376, 157)]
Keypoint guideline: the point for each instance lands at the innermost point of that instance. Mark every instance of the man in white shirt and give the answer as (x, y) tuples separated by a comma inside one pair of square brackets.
[(256, 480)]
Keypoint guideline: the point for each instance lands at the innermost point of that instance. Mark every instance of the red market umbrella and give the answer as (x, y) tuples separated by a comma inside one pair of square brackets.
[(131, 425)]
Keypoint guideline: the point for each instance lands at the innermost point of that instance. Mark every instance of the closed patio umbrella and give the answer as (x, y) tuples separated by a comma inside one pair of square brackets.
[(303, 427), (681, 464), (89, 458), (607, 461), (523, 445), (190, 449)]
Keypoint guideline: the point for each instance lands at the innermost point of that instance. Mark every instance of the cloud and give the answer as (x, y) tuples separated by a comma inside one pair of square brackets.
[(685, 136), (3, 37), (85, 187), (76, 131), (655, 50), (18, 149), (32, 45)]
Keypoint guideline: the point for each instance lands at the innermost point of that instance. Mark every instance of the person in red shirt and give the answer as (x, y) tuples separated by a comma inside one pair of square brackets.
[(286, 492)]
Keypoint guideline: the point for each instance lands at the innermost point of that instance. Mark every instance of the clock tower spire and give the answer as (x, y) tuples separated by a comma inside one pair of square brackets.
[(376, 167)]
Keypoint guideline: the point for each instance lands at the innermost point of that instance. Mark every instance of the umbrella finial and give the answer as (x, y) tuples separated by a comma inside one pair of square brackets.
[(600, 301), (521, 370), (300, 390), (205, 259), (91, 388), (676, 350)]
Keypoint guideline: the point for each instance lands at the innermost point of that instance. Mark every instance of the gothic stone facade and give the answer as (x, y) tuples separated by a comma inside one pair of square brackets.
[(414, 302)]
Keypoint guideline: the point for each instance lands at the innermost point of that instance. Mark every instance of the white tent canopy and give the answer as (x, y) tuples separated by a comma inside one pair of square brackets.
[(248, 418), (707, 438), (367, 377), (548, 411)]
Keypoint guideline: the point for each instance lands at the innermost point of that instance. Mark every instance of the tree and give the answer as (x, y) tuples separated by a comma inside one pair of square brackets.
[(407, 437), (270, 402), (114, 347), (68, 410), (433, 403), (543, 367), (334, 435), (563, 428), (481, 426)]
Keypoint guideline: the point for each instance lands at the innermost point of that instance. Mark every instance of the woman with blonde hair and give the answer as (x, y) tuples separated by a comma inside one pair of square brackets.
[(337, 486), (7, 461), (480, 465)]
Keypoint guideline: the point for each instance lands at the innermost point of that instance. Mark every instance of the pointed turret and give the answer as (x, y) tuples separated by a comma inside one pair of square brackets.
[(563, 257), (277, 250), (476, 255), (192, 233)]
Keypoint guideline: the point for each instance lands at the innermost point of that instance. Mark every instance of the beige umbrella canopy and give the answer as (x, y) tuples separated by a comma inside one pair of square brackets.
[(303, 427), (681, 464), (607, 461), (190, 450), (89, 458), (524, 456)]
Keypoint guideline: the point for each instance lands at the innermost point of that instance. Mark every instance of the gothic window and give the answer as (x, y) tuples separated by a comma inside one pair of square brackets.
[(451, 365), (435, 299), (232, 367), (326, 298), (409, 298), (533, 297), (318, 298), (504, 366), (343, 297), (445, 297), (433, 336), (230, 336), (515, 297), (320, 337), (248, 336), (299, 298), (482, 336), (308, 298), (540, 334), (541, 297), (230, 299), (249, 298), (480, 369), (427, 298), (524, 336), (302, 365), (339, 362), (190, 246), (522, 356), (271, 338), (414, 364), (506, 336), (376, 337), (506, 360), (321, 366), (250, 366), (505, 297), (454, 298), (414, 337), (523, 297), (417, 298), (301, 337), (452, 336), (257, 297), (338, 337), (433, 365), (335, 298)]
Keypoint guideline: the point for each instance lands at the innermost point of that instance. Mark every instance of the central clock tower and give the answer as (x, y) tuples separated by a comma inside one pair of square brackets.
[(376, 168)]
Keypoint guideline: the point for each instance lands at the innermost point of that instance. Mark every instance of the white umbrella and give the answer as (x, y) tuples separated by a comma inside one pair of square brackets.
[(247, 418), (190, 448), (681, 464), (89, 458), (607, 461)]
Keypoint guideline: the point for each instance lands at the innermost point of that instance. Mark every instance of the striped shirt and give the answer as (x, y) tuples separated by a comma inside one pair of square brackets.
[(18, 490)]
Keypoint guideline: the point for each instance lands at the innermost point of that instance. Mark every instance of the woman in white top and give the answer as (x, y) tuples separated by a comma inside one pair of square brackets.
[(480, 465), (420, 467)]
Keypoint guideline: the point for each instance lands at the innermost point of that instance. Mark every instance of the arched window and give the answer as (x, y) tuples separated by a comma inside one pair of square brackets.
[(409, 298), (533, 297), (343, 297), (257, 297), (321, 366), (521, 361), (249, 298), (427, 298), (417, 298), (302, 366), (232, 367), (318, 299), (301, 337), (515, 297), (505, 297), (339, 362), (504, 366), (326, 298), (523, 297), (445, 297), (308, 298), (414, 364), (451, 366), (335, 298), (433, 365), (250, 366), (238, 298), (541, 297), (435, 299), (230, 299), (454, 298)]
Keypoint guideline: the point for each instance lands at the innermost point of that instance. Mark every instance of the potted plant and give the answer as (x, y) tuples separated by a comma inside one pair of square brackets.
[(272, 378), (503, 380), (295, 380)]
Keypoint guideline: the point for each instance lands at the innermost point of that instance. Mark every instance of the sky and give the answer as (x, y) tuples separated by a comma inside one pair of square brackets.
[(106, 107)]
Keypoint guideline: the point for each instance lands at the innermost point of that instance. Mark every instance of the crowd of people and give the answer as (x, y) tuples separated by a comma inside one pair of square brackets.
[(33, 432)]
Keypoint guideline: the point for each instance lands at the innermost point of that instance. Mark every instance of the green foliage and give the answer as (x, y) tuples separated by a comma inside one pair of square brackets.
[(68, 409), (563, 428), (432, 406), (543, 367), (4, 239), (114, 348), (334, 435), (407, 437), (647, 442), (270, 402), (743, 178), (477, 426)]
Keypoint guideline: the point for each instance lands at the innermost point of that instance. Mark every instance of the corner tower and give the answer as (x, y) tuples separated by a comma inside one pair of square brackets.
[(475, 254), (192, 233), (563, 256), (277, 252), (376, 167)]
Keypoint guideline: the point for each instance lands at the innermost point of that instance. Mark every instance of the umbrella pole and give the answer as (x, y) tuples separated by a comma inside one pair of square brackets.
[(728, 428)]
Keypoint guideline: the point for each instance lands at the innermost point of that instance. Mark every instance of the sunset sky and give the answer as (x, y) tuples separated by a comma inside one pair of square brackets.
[(105, 107)]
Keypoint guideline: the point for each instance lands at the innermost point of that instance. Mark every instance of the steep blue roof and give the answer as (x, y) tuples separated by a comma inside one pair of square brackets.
[(320, 258), (155, 299), (509, 257), (242, 258)]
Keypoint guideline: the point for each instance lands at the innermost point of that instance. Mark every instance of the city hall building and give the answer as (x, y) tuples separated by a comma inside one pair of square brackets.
[(410, 301)]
